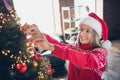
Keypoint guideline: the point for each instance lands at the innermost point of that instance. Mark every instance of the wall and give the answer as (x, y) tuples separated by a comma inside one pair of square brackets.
[(56, 16), (99, 8), (112, 17), (38, 12)]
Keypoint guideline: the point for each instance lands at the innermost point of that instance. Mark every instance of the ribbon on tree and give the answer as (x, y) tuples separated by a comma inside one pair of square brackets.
[(8, 4)]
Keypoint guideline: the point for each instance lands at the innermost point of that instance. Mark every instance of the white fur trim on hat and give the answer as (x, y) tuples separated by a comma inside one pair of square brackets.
[(93, 23), (106, 44)]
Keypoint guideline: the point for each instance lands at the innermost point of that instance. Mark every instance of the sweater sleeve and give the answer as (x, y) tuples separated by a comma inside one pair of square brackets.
[(93, 60), (54, 41)]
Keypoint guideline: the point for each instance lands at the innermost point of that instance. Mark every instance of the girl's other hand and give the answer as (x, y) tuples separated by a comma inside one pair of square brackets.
[(37, 37)]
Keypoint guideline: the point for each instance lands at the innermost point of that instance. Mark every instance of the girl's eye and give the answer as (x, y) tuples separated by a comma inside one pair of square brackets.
[(88, 31)]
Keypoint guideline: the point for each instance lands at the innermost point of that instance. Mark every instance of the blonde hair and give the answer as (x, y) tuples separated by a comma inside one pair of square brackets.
[(96, 42)]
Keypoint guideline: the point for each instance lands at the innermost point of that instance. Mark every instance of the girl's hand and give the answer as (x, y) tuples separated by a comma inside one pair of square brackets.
[(38, 38), (41, 41)]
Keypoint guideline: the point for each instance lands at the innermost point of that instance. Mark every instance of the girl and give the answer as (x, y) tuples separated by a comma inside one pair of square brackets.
[(87, 58)]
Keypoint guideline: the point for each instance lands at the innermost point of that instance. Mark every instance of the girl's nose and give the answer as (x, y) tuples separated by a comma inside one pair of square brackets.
[(82, 32)]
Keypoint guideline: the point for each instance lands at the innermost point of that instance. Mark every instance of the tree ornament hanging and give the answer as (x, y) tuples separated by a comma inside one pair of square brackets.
[(21, 67), (37, 56), (35, 63)]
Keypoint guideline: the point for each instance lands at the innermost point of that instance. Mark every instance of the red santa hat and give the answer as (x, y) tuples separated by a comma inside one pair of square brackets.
[(99, 26)]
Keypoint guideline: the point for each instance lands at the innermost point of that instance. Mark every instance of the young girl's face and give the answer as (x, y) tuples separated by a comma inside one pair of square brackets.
[(85, 34)]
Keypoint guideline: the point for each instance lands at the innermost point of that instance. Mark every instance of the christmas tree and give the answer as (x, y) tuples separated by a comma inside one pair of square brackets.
[(18, 59)]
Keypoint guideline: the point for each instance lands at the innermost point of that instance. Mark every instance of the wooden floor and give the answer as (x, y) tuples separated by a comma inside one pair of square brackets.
[(113, 72), (113, 62)]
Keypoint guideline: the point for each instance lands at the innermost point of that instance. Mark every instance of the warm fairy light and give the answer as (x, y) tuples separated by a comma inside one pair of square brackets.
[(15, 57), (41, 76), (30, 50), (12, 56), (1, 27), (28, 61), (8, 19), (24, 56), (5, 52), (25, 61), (18, 58), (1, 16), (13, 15), (8, 51), (20, 52), (3, 22), (17, 61), (12, 66)]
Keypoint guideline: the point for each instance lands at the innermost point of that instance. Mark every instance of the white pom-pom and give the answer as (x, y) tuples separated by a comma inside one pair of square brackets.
[(107, 44)]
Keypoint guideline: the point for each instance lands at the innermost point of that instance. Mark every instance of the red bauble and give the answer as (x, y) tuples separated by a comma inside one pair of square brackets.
[(18, 66), (21, 67), (49, 71), (37, 56)]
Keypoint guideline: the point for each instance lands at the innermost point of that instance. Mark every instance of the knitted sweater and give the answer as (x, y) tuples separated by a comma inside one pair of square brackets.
[(84, 63)]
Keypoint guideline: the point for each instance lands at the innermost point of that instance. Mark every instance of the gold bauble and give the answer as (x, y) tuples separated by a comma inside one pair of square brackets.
[(35, 63)]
